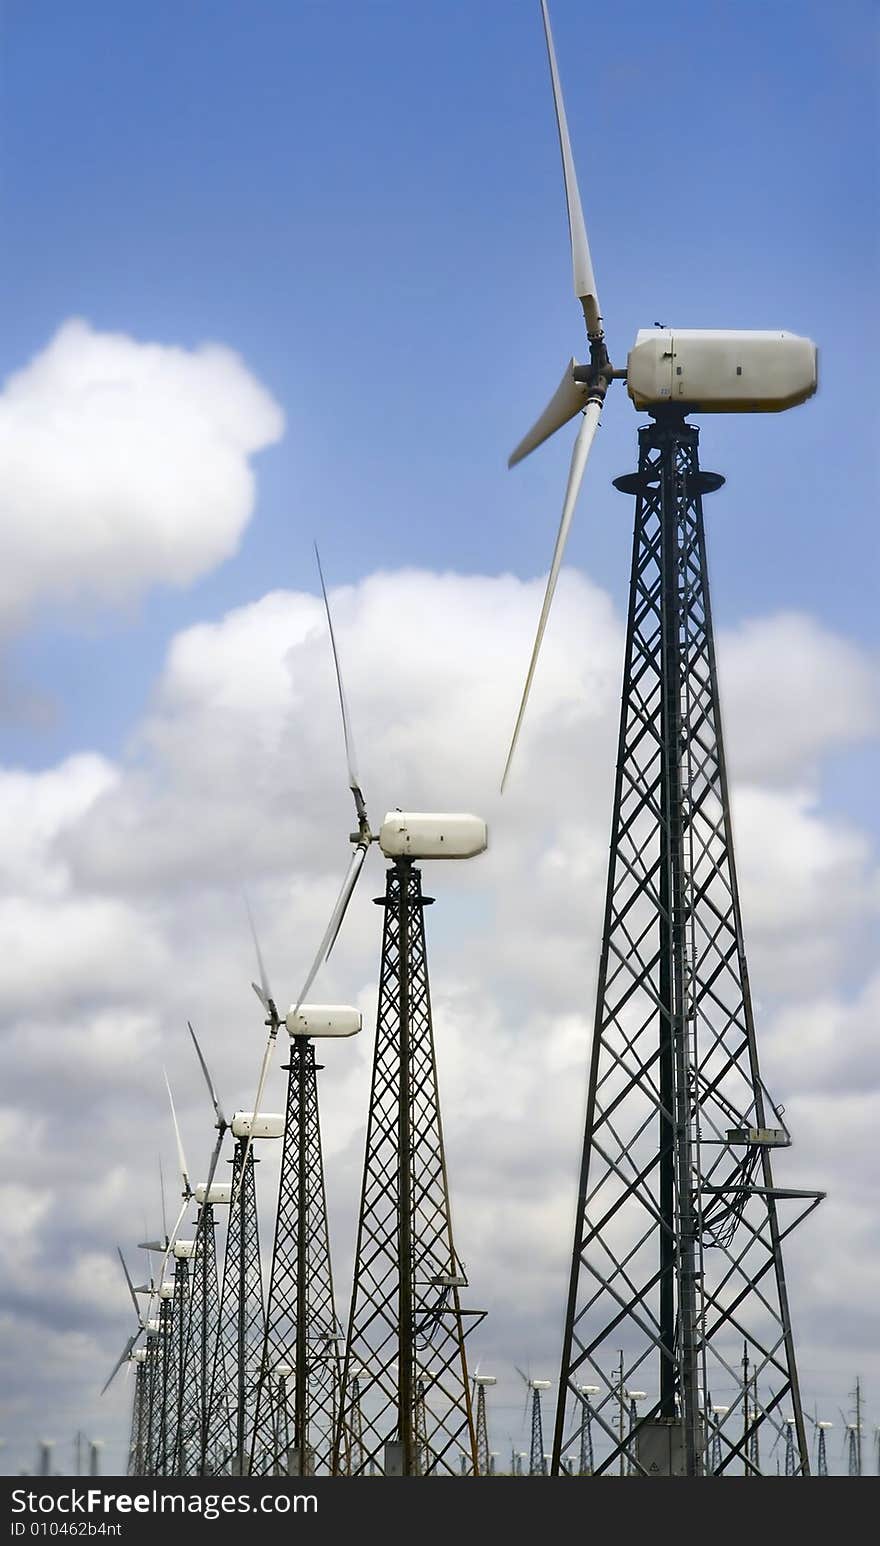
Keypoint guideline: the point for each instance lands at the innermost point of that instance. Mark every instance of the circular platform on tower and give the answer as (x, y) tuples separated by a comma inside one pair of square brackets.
[(699, 483)]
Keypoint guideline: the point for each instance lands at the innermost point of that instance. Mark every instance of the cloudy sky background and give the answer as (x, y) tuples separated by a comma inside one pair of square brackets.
[(287, 271)]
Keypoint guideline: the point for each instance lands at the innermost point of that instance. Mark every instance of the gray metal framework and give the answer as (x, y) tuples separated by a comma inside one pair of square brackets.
[(241, 1328), (537, 1462), (482, 1433), (295, 1419), (139, 1433), (586, 1460), (409, 1411), (193, 1457), (153, 1363), (678, 1240), (164, 1392)]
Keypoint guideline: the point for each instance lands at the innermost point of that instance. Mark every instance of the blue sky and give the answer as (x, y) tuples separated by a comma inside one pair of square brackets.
[(364, 201)]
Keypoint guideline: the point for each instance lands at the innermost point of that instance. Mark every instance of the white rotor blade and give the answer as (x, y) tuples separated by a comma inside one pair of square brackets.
[(124, 1355), (131, 1288), (582, 264), (568, 399), (264, 1069), (181, 1157), (353, 780), (218, 1112), (586, 435), (171, 1238), (263, 992), (336, 917), (162, 1195)]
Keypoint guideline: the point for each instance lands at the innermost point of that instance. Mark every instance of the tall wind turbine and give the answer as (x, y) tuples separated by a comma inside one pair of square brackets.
[(298, 1394), (534, 1392), (678, 1238), (195, 1456), (406, 1325)]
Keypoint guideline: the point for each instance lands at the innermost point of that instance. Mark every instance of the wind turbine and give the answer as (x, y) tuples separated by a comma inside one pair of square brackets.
[(537, 1458), (197, 1337), (481, 1384), (296, 1412), (241, 1327), (406, 1324), (678, 1237), (586, 1462)]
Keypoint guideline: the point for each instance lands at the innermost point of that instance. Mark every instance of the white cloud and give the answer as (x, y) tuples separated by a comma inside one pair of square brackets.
[(123, 464), (123, 917), (791, 689)]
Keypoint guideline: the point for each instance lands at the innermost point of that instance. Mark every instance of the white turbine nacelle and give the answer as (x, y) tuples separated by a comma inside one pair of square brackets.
[(540, 1384), (220, 1192), (184, 1250), (824, 1425), (284, 1371), (589, 1390), (166, 1291), (153, 1326), (485, 1379), (721, 371), (139, 1355), (635, 1395), (269, 1124), (432, 835), (323, 1020)]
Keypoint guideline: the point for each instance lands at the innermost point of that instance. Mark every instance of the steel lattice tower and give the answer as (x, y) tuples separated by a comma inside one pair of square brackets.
[(678, 1241), (201, 1329), (139, 1433), (174, 1442), (241, 1328), (586, 1461), (406, 1325), (537, 1461), (482, 1432), (162, 1417), (294, 1426)]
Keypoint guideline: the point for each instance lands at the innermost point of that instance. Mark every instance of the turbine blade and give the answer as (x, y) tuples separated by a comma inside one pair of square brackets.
[(568, 399), (200, 1221), (181, 1157), (582, 264), (339, 910), (264, 1069), (353, 780), (123, 1357), (171, 1239), (218, 1112), (162, 1192), (581, 451), (263, 992), (131, 1288)]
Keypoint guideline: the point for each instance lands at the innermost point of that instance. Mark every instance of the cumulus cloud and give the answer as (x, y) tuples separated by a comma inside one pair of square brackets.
[(123, 917), (792, 689), (124, 464)]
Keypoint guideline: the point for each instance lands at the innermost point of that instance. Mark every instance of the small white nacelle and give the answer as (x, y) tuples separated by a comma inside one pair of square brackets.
[(432, 835), (284, 1371), (540, 1384), (220, 1192), (154, 1325), (184, 1250), (139, 1355), (721, 370), (485, 1379), (269, 1124), (323, 1020), (166, 1290)]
